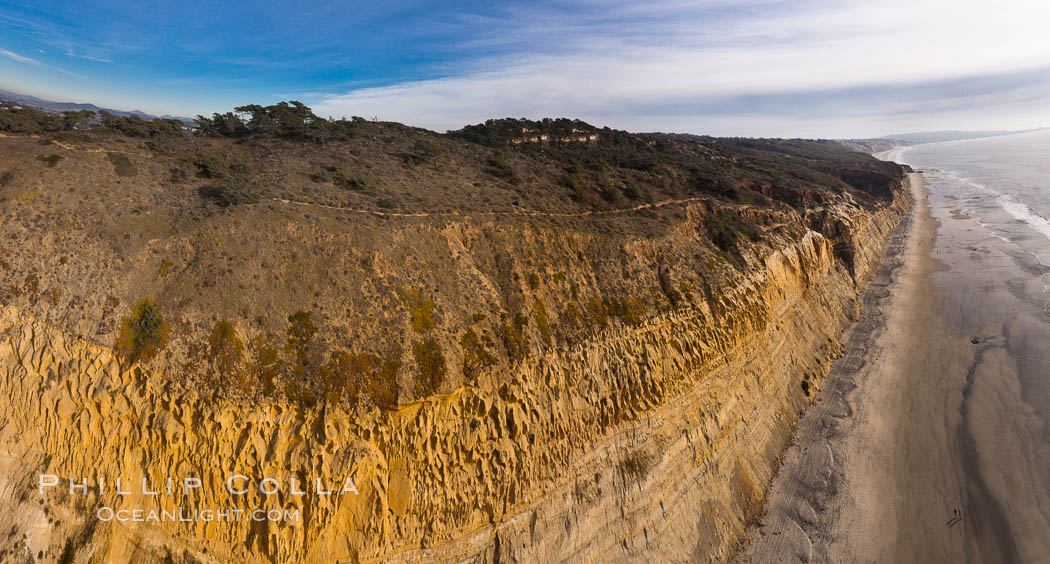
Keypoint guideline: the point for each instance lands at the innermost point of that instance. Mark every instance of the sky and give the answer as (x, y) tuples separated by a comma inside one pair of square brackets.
[(764, 68)]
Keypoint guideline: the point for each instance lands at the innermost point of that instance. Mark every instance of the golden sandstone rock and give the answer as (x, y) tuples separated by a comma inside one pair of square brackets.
[(644, 444), (586, 352)]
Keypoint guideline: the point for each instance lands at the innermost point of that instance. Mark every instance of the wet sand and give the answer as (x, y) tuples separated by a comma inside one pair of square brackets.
[(927, 442)]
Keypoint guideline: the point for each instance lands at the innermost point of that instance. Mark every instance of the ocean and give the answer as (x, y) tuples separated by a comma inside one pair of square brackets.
[(990, 199), (991, 175)]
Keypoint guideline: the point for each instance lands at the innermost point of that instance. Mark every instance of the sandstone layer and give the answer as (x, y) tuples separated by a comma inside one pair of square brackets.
[(574, 352), (646, 444)]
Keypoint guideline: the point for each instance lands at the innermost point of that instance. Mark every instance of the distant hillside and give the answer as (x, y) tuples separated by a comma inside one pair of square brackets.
[(873, 145), (8, 98), (952, 135)]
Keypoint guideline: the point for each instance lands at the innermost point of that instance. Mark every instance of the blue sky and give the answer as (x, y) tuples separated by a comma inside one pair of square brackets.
[(726, 67)]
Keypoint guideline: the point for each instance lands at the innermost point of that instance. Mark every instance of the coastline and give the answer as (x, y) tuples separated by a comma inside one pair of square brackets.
[(928, 442), (859, 483)]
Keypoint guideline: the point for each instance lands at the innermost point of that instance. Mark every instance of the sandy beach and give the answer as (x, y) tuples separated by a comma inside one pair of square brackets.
[(927, 442)]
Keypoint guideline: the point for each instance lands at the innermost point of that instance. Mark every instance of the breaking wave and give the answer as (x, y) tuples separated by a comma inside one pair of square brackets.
[(1025, 214)]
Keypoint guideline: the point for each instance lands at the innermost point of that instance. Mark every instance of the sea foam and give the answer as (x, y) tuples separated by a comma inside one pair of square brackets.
[(1025, 214)]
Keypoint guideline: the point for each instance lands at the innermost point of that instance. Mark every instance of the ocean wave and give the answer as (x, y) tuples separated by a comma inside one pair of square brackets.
[(991, 229), (956, 177), (1025, 215)]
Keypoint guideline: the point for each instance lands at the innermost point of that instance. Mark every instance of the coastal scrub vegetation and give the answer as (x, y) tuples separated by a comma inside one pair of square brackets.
[(552, 162), (339, 174), (360, 378), (551, 233), (50, 160), (476, 355), (225, 349), (122, 165), (725, 228), (290, 120), (515, 338), (142, 334), (430, 362), (420, 308), (34, 122)]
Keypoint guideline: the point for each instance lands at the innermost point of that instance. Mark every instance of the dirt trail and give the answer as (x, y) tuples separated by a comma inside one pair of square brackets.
[(69, 147), (521, 212)]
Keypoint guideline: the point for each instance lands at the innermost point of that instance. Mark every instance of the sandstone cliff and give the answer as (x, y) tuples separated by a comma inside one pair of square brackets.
[(648, 440)]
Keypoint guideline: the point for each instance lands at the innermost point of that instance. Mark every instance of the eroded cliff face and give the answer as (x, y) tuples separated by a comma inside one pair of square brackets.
[(645, 443)]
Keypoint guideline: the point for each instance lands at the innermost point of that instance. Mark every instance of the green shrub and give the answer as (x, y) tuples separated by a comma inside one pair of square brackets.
[(339, 174), (135, 126), (476, 357), (211, 165), (597, 313), (297, 394), (122, 165), (363, 378), (142, 334), (579, 193), (420, 152), (179, 173), (231, 191), (630, 312), (431, 367), (50, 160), (515, 339), (724, 228), (806, 384), (420, 308), (265, 366), (301, 331), (573, 316), (686, 289), (635, 192), (225, 350), (342, 374), (539, 314), (500, 167)]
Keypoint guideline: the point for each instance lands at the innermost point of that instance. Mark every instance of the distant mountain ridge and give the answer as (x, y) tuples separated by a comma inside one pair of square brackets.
[(49, 106), (953, 135)]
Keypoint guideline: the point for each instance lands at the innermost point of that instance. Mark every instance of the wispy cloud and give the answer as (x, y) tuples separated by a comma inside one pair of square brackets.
[(70, 53), (19, 58), (30, 61), (750, 67), (627, 65)]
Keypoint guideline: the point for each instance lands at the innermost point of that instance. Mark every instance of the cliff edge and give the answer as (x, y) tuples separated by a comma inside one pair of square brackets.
[(480, 355)]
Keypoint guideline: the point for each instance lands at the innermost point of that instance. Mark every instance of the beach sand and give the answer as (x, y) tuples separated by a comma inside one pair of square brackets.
[(928, 440)]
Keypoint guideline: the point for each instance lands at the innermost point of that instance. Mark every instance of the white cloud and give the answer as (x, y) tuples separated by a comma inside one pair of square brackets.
[(72, 54), (30, 61), (626, 65), (19, 58)]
